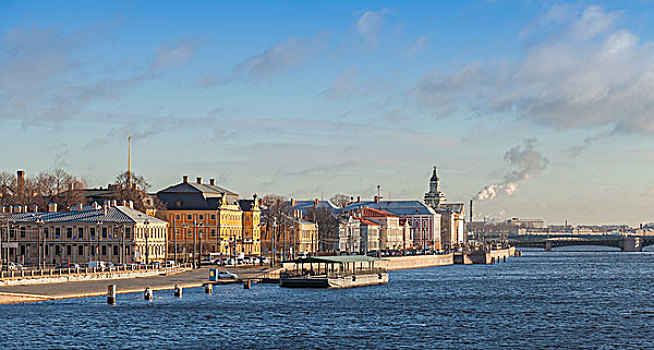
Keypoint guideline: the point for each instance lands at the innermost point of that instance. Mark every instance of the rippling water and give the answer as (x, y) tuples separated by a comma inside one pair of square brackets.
[(542, 300)]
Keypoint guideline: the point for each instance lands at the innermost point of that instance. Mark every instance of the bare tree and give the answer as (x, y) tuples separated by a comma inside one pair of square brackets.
[(327, 228), (136, 191), (341, 200)]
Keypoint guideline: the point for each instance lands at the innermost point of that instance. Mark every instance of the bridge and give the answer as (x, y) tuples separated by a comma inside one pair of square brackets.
[(624, 243)]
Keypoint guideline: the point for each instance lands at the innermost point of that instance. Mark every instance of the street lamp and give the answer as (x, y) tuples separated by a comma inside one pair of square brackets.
[(274, 241), (147, 248), (97, 241), (39, 222)]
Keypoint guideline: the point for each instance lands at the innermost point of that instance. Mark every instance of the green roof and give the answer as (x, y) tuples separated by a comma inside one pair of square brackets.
[(337, 259)]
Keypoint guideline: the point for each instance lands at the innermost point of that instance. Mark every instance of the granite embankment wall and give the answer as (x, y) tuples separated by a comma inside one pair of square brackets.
[(415, 261), (19, 280)]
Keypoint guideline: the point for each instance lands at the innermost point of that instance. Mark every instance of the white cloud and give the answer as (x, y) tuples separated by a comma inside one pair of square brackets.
[(369, 26), (175, 53), (418, 46), (587, 74)]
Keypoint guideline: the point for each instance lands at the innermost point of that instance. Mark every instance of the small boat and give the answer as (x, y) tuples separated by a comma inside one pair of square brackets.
[(334, 272)]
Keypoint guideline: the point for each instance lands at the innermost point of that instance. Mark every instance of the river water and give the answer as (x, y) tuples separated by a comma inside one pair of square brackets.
[(542, 300)]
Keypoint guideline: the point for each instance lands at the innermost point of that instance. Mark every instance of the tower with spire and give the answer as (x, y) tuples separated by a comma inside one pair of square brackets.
[(434, 198)]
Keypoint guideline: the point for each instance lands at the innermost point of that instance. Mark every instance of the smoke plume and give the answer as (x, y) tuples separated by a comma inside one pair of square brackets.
[(523, 162)]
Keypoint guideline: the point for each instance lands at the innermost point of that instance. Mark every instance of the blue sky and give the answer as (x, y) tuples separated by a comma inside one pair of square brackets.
[(537, 109)]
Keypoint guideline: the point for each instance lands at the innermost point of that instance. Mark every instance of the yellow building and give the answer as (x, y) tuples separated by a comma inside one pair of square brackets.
[(207, 218), (289, 236)]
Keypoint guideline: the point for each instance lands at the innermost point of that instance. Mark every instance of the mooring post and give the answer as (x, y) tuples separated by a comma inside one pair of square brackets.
[(247, 284), (148, 294), (111, 294), (208, 288), (178, 291)]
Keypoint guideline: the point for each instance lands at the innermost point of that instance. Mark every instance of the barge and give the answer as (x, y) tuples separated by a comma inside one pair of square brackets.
[(334, 272)]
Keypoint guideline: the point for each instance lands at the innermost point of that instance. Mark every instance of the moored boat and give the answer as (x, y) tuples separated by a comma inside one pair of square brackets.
[(334, 272)]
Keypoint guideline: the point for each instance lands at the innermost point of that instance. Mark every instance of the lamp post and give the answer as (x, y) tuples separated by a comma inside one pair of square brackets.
[(194, 241), (147, 248), (175, 237), (97, 241), (199, 257), (274, 241), (38, 222)]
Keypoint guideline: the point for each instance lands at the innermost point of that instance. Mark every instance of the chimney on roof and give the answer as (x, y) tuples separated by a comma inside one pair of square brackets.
[(114, 203), (52, 208), (35, 208), (24, 209), (292, 202), (315, 203), (358, 199), (261, 202), (212, 182), (376, 199), (20, 182), (80, 206), (185, 179), (198, 180), (124, 203), (130, 204), (10, 209), (18, 209)]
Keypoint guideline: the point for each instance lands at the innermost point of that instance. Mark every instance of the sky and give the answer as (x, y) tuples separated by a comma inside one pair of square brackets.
[(534, 109)]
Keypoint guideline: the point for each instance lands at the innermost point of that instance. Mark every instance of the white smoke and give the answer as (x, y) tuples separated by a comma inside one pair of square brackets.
[(524, 162)]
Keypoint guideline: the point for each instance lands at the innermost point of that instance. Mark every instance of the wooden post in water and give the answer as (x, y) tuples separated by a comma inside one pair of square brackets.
[(247, 284), (178, 291), (111, 294), (208, 288), (148, 294)]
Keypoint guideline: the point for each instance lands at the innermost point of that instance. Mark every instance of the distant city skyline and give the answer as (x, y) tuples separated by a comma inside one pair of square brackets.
[(537, 109)]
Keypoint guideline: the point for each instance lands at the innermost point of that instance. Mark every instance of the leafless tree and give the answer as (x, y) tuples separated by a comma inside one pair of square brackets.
[(134, 188), (327, 228), (341, 200)]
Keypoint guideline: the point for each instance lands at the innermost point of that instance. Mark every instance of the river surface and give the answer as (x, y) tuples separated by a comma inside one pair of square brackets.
[(593, 300)]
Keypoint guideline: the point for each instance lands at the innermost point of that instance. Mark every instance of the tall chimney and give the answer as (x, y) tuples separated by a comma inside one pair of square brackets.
[(20, 181), (199, 180), (212, 182), (471, 210), (292, 202), (185, 178)]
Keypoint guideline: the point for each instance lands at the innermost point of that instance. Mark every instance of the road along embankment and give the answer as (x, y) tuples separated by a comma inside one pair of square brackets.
[(66, 275)]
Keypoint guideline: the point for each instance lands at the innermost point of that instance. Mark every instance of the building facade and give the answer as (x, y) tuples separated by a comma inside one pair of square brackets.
[(349, 235), (206, 218), (452, 215), (117, 234)]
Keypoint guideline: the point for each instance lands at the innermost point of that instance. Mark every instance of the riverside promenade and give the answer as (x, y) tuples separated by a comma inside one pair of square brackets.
[(89, 288)]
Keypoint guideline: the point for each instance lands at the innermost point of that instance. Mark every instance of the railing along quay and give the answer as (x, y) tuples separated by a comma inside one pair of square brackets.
[(70, 271)]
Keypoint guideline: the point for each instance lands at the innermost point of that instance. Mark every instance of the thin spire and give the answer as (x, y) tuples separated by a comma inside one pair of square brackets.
[(129, 161)]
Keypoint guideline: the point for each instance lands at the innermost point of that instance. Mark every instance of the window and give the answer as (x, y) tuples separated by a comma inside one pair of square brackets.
[(128, 231), (57, 249), (177, 216), (115, 250), (69, 232), (104, 232), (69, 250), (189, 233), (92, 232), (45, 232), (80, 250), (213, 216), (104, 250), (22, 249), (12, 232), (201, 217), (126, 250), (189, 217), (22, 232), (47, 249), (213, 232), (57, 233), (80, 233)]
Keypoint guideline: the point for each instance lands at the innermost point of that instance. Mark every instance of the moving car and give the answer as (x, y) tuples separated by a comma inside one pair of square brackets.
[(225, 275)]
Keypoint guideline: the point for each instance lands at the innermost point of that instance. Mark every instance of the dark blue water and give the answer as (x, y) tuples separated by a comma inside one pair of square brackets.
[(575, 300)]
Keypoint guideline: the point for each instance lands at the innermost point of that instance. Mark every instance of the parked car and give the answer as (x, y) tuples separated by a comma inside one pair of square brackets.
[(97, 264), (15, 266), (226, 275)]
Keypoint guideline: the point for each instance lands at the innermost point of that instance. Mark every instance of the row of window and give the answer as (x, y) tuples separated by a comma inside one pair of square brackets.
[(71, 233)]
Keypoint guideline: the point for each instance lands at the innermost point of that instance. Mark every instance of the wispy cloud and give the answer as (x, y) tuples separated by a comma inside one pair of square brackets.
[(418, 46), (589, 73), (42, 77), (370, 24), (175, 53), (273, 61)]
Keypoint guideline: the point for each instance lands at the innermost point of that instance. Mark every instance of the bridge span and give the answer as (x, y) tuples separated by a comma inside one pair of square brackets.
[(625, 243)]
